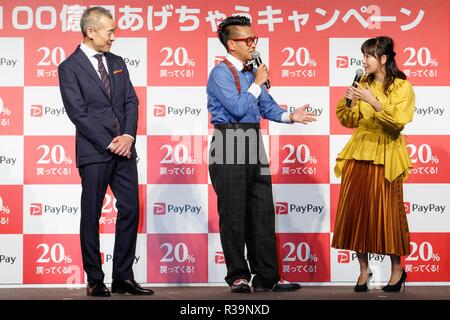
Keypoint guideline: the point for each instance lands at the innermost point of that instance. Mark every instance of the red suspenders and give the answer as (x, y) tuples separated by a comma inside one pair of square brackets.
[(235, 75)]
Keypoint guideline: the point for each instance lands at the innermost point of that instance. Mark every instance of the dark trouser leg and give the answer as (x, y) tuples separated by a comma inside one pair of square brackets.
[(260, 235), (229, 182), (94, 181), (124, 184)]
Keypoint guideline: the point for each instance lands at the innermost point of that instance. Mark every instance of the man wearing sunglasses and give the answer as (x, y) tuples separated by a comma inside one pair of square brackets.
[(238, 165)]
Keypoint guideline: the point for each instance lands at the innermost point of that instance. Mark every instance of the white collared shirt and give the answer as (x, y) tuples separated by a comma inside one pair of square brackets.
[(90, 53)]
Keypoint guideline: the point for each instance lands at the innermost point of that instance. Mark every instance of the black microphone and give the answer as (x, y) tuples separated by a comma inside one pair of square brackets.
[(258, 61), (358, 76)]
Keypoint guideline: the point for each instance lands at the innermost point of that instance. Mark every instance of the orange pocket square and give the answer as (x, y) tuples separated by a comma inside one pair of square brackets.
[(117, 71)]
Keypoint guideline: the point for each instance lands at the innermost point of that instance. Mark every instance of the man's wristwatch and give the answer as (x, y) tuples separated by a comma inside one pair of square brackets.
[(290, 117)]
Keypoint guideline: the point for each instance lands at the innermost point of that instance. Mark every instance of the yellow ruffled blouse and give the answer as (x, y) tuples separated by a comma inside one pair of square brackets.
[(377, 136)]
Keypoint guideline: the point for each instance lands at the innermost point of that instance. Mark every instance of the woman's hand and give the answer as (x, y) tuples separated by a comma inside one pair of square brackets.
[(364, 93)]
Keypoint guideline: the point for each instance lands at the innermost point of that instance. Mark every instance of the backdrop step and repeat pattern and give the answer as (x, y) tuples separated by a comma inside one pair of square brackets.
[(312, 49)]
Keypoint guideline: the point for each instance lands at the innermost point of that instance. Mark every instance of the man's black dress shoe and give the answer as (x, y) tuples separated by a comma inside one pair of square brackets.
[(97, 289), (280, 286), (129, 286)]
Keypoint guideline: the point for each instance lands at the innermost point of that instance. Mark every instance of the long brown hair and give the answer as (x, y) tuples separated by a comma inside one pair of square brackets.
[(376, 47)]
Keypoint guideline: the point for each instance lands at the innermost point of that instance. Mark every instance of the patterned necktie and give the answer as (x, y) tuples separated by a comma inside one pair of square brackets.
[(103, 74), (105, 81)]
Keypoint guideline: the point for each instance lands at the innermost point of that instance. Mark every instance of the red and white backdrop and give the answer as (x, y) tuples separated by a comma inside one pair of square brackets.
[(312, 49)]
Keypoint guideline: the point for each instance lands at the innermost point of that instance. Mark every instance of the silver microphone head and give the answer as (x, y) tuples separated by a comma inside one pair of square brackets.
[(255, 55), (359, 72)]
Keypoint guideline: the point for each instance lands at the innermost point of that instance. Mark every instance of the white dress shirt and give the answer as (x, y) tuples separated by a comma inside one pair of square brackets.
[(90, 53)]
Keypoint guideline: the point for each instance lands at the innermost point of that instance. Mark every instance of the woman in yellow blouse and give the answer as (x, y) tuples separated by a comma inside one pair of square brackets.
[(374, 164)]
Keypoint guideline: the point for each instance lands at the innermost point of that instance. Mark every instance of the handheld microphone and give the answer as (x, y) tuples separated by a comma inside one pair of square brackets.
[(258, 61), (358, 76)]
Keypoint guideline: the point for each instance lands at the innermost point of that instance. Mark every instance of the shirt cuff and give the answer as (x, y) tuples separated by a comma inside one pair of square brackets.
[(285, 117), (129, 136), (124, 135), (255, 90)]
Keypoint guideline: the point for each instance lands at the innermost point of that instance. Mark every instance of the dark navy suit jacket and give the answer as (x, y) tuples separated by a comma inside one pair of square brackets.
[(90, 109)]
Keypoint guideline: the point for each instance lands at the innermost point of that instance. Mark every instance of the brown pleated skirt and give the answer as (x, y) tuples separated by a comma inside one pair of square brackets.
[(371, 215)]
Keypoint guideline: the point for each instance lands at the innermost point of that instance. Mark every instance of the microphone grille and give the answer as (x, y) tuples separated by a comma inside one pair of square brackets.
[(255, 55), (359, 72)]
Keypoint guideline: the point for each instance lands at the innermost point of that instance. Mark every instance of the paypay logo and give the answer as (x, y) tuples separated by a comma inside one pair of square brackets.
[(163, 111), (159, 208), (219, 257), (286, 208), (159, 110), (343, 256), (407, 206), (36, 110), (425, 208), (341, 62), (344, 62), (38, 209), (281, 208), (35, 209)]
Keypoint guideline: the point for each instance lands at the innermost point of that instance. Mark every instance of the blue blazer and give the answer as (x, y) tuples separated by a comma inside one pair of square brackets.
[(90, 109)]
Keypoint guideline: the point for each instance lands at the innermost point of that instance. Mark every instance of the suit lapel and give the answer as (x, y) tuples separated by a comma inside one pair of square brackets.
[(84, 62)]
